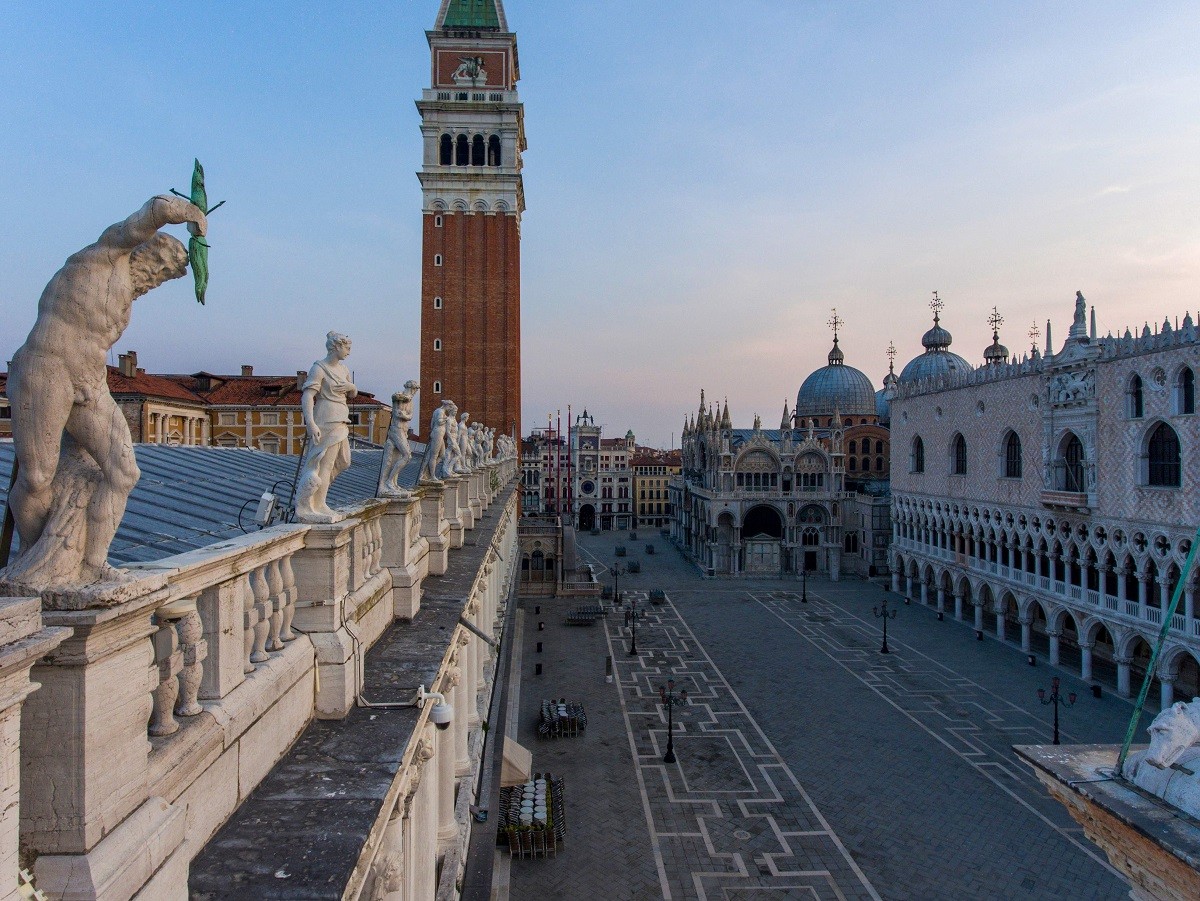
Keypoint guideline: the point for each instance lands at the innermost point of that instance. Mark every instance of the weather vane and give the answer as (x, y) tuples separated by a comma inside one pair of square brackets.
[(937, 305), (995, 321), (1034, 334), (836, 322)]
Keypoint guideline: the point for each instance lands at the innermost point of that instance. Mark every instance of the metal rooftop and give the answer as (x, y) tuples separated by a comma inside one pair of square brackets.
[(190, 497)]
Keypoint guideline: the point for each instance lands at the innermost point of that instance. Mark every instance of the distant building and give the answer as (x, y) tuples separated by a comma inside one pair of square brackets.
[(1052, 499), (810, 496), (159, 410), (652, 474), (544, 473), (263, 411), (603, 481)]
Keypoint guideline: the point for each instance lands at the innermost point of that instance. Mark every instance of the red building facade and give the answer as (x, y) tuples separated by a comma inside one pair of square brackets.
[(472, 122)]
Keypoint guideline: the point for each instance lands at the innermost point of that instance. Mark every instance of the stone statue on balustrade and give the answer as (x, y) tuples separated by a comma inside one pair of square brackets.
[(396, 452), (324, 405), (435, 449), (466, 461), (450, 463), (1170, 767), (74, 454)]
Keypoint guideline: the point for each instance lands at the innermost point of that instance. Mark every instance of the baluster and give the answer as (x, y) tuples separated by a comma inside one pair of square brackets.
[(378, 544), (184, 616), (250, 617), (262, 613), (168, 660), (278, 599), (289, 592)]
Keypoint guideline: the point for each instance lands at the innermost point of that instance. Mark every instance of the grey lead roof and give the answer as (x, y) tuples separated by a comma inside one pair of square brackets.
[(189, 497)]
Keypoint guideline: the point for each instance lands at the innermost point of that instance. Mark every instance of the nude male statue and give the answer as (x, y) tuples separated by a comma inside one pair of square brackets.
[(72, 444), (396, 452), (436, 448)]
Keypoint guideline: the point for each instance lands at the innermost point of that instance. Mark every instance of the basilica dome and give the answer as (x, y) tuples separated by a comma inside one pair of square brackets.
[(937, 359), (836, 387)]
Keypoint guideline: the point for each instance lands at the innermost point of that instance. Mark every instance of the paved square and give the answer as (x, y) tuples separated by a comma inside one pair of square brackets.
[(808, 765)]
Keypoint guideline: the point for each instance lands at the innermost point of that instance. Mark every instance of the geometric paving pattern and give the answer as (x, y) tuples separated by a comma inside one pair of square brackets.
[(728, 819), (969, 720)]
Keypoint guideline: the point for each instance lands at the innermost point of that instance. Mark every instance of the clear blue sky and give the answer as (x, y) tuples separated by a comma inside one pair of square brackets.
[(704, 181)]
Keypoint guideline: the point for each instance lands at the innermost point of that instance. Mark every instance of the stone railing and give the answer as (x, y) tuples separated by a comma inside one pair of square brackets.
[(176, 693)]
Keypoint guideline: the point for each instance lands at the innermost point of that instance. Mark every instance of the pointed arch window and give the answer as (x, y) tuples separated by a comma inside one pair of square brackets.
[(1070, 467), (958, 455), (1012, 456), (1163, 457), (917, 461), (1185, 391), (1133, 397)]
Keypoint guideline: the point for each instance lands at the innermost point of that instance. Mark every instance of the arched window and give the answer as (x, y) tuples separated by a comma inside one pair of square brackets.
[(1163, 458), (853, 464), (477, 151), (853, 447), (1012, 456), (1133, 397), (462, 151), (437, 387), (494, 150), (879, 447), (1070, 465), (879, 464), (446, 150), (958, 455), (866, 464), (1185, 391), (917, 460)]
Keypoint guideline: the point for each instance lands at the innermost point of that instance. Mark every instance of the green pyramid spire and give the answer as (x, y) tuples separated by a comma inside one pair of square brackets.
[(471, 14)]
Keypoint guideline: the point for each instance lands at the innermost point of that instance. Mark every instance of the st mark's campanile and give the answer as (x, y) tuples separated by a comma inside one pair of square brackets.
[(472, 199)]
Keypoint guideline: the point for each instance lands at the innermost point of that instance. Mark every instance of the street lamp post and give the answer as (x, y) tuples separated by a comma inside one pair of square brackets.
[(884, 614), (1057, 700), (631, 622), (804, 583), (670, 698), (617, 569)]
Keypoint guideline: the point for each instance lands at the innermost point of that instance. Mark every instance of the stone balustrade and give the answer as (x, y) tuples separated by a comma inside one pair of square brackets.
[(176, 693)]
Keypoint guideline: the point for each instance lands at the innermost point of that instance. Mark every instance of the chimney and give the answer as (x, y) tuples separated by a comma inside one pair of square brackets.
[(127, 363), (247, 370), (301, 378)]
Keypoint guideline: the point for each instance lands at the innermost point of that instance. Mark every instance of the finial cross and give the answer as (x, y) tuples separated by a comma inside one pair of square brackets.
[(937, 304), (891, 353), (1034, 334), (836, 322), (995, 320)]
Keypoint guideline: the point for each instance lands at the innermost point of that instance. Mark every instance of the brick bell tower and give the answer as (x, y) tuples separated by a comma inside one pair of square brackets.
[(473, 126)]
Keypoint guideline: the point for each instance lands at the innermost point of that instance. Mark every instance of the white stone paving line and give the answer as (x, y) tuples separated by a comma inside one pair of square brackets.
[(721, 682), (984, 768)]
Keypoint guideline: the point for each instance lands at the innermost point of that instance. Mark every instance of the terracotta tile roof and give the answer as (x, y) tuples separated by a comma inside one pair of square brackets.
[(254, 390), (150, 385)]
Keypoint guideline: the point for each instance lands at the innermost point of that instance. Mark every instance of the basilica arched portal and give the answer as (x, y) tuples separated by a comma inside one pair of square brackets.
[(762, 541)]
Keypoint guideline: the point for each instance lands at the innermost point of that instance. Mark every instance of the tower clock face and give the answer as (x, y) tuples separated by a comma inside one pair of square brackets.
[(588, 487)]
